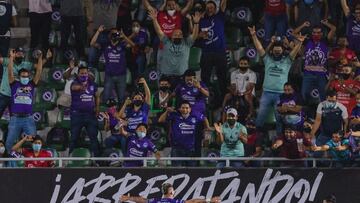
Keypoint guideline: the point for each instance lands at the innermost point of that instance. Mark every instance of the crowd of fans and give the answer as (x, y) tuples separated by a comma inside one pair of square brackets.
[(295, 73)]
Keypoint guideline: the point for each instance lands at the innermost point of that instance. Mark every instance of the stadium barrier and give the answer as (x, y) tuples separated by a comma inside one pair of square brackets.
[(250, 185)]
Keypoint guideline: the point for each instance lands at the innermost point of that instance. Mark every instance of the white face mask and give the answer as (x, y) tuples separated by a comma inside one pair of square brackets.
[(136, 29), (171, 12), (2, 150)]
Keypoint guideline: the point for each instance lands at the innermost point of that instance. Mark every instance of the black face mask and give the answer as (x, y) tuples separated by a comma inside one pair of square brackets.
[(177, 41), (307, 130), (231, 121), (115, 37), (345, 76), (288, 96), (277, 57), (137, 102), (251, 130), (164, 88), (243, 68), (18, 60)]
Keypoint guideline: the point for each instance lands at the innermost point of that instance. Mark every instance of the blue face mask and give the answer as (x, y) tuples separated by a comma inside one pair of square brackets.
[(358, 104), (24, 80), (141, 134), (36, 147)]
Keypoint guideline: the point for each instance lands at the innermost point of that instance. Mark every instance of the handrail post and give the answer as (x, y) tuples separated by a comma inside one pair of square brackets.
[(314, 163), (144, 162), (60, 163), (227, 164)]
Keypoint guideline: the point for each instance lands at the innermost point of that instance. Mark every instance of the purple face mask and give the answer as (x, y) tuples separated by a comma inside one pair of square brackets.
[(83, 78)]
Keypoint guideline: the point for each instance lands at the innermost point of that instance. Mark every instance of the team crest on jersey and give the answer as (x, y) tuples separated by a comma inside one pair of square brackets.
[(145, 145), (193, 120), (2, 10)]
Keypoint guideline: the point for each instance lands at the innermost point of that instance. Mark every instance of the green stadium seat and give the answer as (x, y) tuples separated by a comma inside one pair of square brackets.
[(63, 119), (157, 134), (209, 152), (80, 152), (40, 117), (152, 76), (55, 78), (194, 58), (45, 97)]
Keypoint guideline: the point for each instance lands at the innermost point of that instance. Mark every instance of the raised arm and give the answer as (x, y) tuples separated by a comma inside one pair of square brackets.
[(187, 8), (96, 35), (212, 200), (316, 124), (195, 23), (121, 113), (223, 5), (260, 49), (148, 6), (332, 28), (38, 68), (18, 146), (277, 144), (127, 39), (147, 91), (300, 39), (298, 29), (10, 66), (159, 32), (163, 117), (345, 8)]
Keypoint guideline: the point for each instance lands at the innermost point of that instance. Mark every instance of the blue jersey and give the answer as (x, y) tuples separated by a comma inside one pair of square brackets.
[(165, 200), (138, 148), (134, 118)]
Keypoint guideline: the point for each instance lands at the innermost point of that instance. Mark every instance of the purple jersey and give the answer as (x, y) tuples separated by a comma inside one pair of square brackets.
[(22, 97), (355, 113), (183, 130), (138, 148), (83, 100), (141, 38), (214, 26), (115, 61), (316, 55), (165, 200), (292, 100), (134, 118), (353, 33), (193, 96)]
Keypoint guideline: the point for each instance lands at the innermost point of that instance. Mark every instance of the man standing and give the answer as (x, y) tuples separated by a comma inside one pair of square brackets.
[(277, 66), (85, 102), (21, 100), (213, 44), (184, 126)]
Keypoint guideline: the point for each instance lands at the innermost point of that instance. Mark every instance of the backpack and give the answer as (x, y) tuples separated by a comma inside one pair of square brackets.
[(331, 120), (58, 136)]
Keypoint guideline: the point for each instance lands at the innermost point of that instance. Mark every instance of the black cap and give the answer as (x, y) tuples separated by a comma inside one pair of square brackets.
[(189, 72), (19, 49), (290, 127)]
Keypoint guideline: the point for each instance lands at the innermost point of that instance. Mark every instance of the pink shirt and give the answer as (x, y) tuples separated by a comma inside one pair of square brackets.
[(40, 6)]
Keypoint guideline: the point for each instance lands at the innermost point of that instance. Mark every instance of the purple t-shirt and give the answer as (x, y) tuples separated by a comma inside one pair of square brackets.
[(355, 113), (292, 100), (214, 26), (316, 55), (141, 38), (115, 59), (165, 200), (83, 101), (183, 130), (193, 96), (138, 148), (134, 118), (353, 33), (22, 97)]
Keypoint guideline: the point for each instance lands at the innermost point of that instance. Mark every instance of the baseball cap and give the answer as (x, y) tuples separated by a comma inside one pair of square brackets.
[(19, 49), (232, 111)]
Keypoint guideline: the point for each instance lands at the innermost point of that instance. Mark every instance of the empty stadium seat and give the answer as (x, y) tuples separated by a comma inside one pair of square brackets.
[(80, 152), (45, 97), (194, 58)]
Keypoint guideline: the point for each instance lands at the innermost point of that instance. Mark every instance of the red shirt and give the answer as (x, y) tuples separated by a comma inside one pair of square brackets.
[(289, 149), (275, 7), (169, 23), (344, 97), (28, 153), (346, 55)]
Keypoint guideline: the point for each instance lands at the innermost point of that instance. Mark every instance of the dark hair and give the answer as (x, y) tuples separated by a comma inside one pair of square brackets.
[(23, 70), (184, 102), (137, 93), (37, 137), (142, 124), (82, 67), (317, 27), (289, 84), (290, 127), (211, 2), (330, 93), (164, 78), (165, 188), (244, 58), (189, 72), (331, 198), (278, 44)]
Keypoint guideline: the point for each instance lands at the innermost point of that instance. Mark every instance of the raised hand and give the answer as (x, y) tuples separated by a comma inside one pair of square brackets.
[(252, 30), (101, 28), (153, 14), (306, 24), (218, 127)]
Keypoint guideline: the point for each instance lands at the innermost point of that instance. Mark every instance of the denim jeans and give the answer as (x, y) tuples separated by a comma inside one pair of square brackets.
[(138, 66), (4, 102), (274, 24), (93, 57), (312, 82), (177, 152), (17, 125), (89, 121), (234, 164), (119, 82), (268, 100), (111, 141)]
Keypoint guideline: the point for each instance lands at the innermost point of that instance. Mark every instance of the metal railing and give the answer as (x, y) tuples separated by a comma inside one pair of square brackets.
[(145, 160)]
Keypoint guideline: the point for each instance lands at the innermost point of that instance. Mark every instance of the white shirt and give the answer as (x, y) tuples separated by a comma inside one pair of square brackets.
[(343, 109), (242, 80), (40, 6), (67, 89)]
